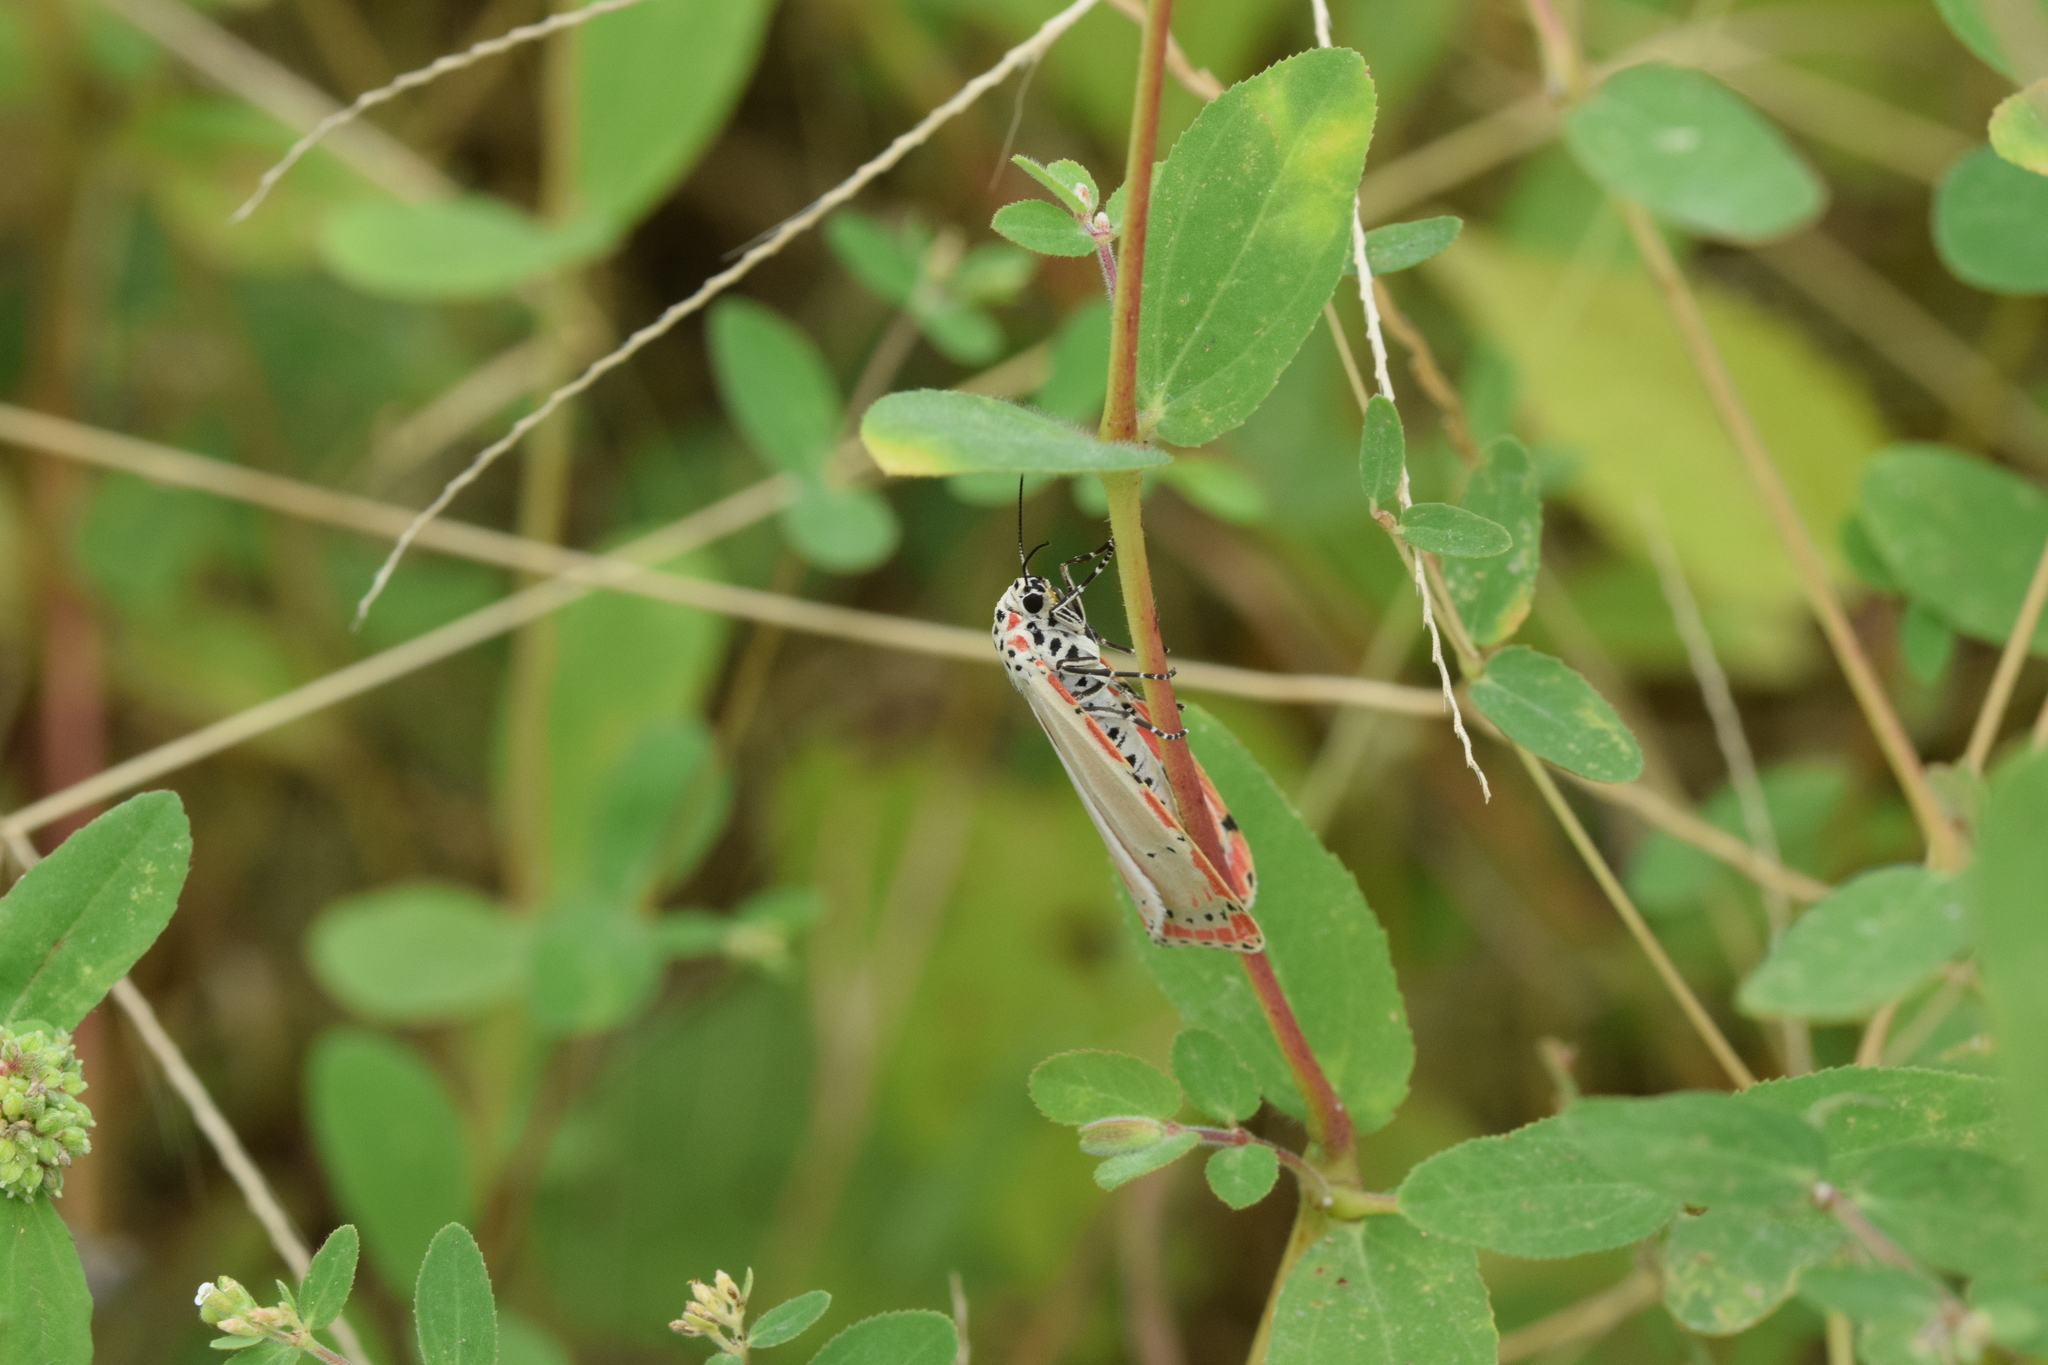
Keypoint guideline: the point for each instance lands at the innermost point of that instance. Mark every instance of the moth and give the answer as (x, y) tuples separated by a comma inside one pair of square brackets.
[(1107, 742)]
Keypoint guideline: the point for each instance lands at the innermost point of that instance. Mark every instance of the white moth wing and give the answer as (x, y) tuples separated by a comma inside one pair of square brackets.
[(1155, 857)]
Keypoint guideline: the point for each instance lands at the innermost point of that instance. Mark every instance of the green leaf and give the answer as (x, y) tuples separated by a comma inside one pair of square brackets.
[(1542, 704), (1868, 1291), (1242, 1176), (1251, 220), (1987, 215), (1925, 642), (1081, 1087), (1701, 1147), (888, 263), (1060, 178), (1494, 595), (1530, 1193), (2019, 128), (1328, 951), (1045, 228), (1079, 377), (841, 529), (775, 385), (1216, 1082), (933, 431), (1399, 246), (1382, 452), (1128, 1166), (2012, 949), (1872, 940), (473, 246), (391, 1142), (1443, 529), (79, 919), (1379, 1292), (1986, 26), (621, 665), (2017, 1308), (658, 811), (418, 954), (1959, 534), (991, 273), (1692, 151), (788, 1319), (45, 1307), (595, 966), (1863, 1109), (324, 1291), (453, 1310), (907, 1338), (1962, 1210), (619, 1222), (652, 86), (1728, 1269)]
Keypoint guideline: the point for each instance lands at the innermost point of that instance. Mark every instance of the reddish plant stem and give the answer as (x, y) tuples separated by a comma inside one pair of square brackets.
[(1328, 1124)]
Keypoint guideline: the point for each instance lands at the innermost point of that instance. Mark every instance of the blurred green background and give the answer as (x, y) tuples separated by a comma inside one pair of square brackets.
[(902, 906)]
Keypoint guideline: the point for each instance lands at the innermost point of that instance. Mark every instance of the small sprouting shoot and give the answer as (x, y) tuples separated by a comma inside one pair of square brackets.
[(718, 1313)]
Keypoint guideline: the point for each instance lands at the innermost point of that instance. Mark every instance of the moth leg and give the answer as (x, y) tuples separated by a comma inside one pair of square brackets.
[(1099, 557), (1148, 726)]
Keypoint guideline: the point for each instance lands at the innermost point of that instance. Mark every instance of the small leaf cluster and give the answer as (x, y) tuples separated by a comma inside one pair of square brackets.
[(1124, 1108), (42, 1120), (288, 1325), (1831, 1185), (1077, 224), (718, 1313)]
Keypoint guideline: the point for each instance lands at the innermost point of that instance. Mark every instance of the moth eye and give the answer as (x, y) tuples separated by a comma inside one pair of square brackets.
[(1034, 602)]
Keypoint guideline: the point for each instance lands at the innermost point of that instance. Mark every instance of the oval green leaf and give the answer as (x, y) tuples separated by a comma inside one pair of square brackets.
[(1961, 1210), (45, 1307), (595, 965), (1251, 220), (2019, 128), (1402, 246), (930, 432), (1530, 1193), (652, 85), (1045, 228), (789, 1319), (1080, 1087), (1443, 529), (1866, 1108), (1242, 1176), (908, 1338), (1215, 1081), (1379, 1292), (1382, 451), (1494, 595), (1959, 534), (1061, 179), (1871, 941), (775, 384), (418, 954), (391, 1142), (79, 919), (840, 529), (1987, 224), (453, 1310), (324, 1291), (470, 247), (1692, 151), (1701, 1147), (1547, 708)]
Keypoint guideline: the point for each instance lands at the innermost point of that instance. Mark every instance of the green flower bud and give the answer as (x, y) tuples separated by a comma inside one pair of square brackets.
[(1112, 1137), (44, 1121), (221, 1300)]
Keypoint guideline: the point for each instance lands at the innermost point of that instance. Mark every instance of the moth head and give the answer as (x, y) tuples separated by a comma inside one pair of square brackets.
[(1031, 596)]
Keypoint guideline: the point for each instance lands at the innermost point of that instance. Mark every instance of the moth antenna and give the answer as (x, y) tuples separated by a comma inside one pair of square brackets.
[(1022, 558)]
